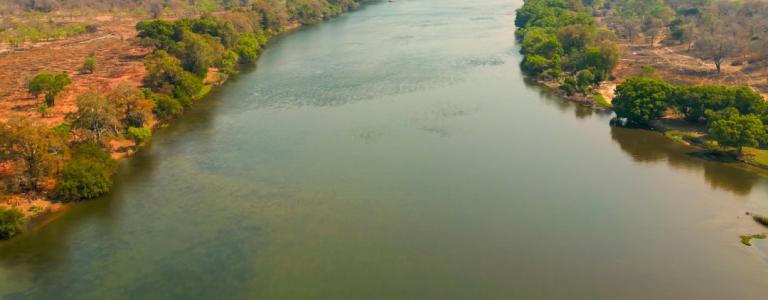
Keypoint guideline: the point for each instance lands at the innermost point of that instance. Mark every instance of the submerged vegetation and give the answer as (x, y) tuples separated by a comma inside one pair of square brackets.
[(747, 239)]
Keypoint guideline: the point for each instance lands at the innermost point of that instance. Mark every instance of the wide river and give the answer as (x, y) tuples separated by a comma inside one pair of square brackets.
[(396, 152)]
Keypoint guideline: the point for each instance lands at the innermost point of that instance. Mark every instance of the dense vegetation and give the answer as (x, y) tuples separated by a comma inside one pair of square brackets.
[(561, 43), (735, 117)]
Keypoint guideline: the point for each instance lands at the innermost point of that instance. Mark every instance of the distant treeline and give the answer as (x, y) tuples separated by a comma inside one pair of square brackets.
[(561, 43)]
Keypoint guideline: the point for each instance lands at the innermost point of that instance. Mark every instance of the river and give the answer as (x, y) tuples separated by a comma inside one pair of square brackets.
[(396, 152)]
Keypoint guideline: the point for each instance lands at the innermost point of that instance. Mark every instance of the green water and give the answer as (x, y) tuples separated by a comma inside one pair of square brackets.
[(397, 153)]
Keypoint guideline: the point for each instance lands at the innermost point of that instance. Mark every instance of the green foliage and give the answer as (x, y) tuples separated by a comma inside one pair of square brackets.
[(536, 64), (89, 66), (600, 101), (563, 34), (693, 101), (165, 75), (735, 130), (229, 62), (36, 31), (49, 84), (248, 48), (11, 222), (87, 175), (140, 135), (166, 107), (641, 99), (539, 41)]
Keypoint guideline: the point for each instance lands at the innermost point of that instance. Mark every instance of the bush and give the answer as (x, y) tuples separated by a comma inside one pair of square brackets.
[(87, 175), (536, 64), (166, 107), (11, 222), (140, 135), (89, 66)]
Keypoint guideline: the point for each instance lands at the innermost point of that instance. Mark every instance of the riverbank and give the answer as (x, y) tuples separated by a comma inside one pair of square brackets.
[(579, 58), (39, 208)]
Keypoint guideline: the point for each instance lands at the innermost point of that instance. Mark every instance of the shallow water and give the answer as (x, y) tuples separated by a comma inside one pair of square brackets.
[(396, 152)]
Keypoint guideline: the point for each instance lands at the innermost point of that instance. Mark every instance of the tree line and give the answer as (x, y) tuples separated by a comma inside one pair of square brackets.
[(562, 43), (735, 117), (71, 161)]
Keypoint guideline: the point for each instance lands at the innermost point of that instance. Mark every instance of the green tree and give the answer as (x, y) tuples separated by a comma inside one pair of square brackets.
[(11, 222), (536, 64), (49, 84), (735, 130), (540, 42), (641, 99), (139, 135), (248, 48), (87, 175)]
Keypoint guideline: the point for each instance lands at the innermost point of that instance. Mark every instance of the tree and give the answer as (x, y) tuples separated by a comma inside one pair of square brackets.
[(641, 99), (719, 42), (735, 130), (11, 222), (131, 107), (575, 37), (198, 52), (95, 118), (49, 84), (165, 75), (540, 42), (248, 48), (87, 175), (34, 151), (536, 64)]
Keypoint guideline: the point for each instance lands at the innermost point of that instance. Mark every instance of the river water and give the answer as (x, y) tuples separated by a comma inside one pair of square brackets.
[(396, 152)]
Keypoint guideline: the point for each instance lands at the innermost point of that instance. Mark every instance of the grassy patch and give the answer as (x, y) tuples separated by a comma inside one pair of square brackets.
[(682, 137), (600, 101), (204, 91), (758, 157), (747, 239)]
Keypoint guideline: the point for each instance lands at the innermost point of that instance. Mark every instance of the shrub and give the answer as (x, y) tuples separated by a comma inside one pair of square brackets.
[(87, 175), (11, 222), (536, 64), (140, 135), (89, 66), (166, 107)]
